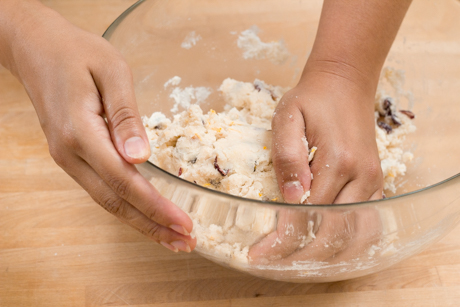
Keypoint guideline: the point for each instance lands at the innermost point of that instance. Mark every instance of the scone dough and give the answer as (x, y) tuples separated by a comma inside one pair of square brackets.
[(230, 151)]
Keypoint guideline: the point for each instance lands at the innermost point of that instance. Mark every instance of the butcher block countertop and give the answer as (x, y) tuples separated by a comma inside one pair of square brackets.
[(59, 248)]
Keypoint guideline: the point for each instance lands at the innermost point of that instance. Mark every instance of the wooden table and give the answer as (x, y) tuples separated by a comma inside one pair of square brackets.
[(59, 248)]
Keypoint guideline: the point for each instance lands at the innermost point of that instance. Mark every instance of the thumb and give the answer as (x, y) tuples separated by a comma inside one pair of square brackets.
[(115, 84), (290, 152)]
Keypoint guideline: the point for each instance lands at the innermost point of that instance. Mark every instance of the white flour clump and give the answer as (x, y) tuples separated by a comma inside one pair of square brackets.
[(173, 81), (184, 97), (190, 40), (254, 48), (230, 151)]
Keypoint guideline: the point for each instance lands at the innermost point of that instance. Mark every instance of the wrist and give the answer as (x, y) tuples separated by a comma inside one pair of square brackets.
[(328, 95), (341, 74)]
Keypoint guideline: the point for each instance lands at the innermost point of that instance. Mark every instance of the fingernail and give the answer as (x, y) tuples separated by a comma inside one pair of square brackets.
[(136, 148), (180, 229), (293, 192), (182, 246), (169, 246)]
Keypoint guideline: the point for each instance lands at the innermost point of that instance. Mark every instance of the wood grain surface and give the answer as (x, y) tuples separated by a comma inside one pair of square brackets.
[(59, 248)]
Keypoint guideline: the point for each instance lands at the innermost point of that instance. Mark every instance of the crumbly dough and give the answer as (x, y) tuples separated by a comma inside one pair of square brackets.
[(228, 151), (231, 152), (393, 157), (183, 97), (254, 48), (190, 40)]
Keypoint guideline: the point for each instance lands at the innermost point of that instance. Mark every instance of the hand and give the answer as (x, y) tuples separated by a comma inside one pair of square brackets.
[(83, 93), (340, 123), (340, 235), (333, 107), (345, 168)]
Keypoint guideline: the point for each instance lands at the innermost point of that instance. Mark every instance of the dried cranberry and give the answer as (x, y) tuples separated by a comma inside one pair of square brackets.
[(223, 172), (385, 127), (408, 113), (386, 106)]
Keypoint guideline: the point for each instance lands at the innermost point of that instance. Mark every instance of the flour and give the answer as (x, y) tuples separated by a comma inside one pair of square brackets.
[(184, 97), (173, 81), (190, 40)]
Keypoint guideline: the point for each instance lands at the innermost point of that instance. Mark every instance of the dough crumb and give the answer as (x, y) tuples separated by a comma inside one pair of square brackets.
[(185, 97), (190, 40), (254, 48), (173, 81)]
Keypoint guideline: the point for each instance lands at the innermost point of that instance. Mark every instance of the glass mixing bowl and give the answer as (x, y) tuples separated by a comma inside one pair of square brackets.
[(353, 239)]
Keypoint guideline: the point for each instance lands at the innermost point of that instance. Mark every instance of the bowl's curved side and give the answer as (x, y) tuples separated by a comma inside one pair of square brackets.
[(150, 35), (394, 230)]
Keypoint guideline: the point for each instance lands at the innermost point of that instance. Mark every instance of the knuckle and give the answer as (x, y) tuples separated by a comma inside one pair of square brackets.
[(152, 214), (61, 143), (120, 186), (123, 118), (347, 160), (70, 141), (152, 231), (286, 159), (57, 154), (373, 170), (114, 206)]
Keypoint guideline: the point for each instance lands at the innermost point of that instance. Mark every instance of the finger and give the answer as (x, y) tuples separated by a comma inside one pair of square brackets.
[(357, 191), (290, 150), (366, 238), (377, 195), (292, 230), (333, 235), (115, 84), (327, 181), (124, 179), (365, 188), (125, 212)]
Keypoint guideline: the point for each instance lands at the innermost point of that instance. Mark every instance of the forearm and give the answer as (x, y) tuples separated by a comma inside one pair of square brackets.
[(18, 20), (354, 38)]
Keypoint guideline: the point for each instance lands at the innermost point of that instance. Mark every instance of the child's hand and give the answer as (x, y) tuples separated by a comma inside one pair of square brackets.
[(74, 80), (333, 106), (341, 235), (337, 116)]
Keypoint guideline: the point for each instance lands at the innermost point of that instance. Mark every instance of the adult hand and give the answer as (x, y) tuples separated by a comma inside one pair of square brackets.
[(83, 93)]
